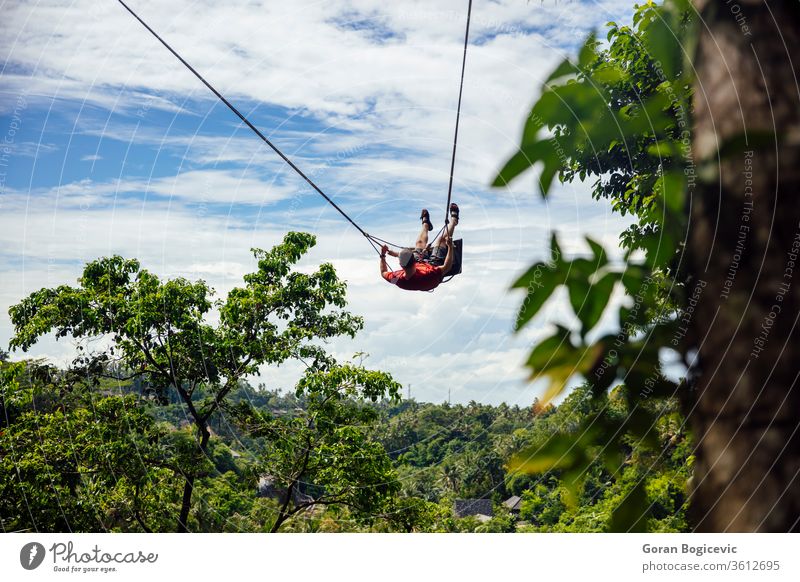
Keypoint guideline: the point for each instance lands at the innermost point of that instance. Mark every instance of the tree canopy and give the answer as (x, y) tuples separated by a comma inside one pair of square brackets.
[(619, 114), (161, 330)]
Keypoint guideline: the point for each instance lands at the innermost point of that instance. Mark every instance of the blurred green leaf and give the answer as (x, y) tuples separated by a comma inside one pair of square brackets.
[(588, 52), (633, 277), (753, 139), (596, 302), (609, 74), (528, 155), (557, 359), (661, 42), (566, 67), (663, 149), (660, 248), (600, 259), (541, 280), (559, 451), (672, 187), (632, 512), (556, 256)]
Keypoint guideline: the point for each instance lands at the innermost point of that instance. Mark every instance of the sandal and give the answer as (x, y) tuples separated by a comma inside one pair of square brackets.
[(454, 210), (426, 218)]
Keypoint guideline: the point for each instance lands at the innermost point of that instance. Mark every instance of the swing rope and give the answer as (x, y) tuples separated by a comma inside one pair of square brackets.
[(251, 126), (458, 116), (373, 241)]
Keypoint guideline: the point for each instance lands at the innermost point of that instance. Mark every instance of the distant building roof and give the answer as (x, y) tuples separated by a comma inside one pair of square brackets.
[(513, 502), (267, 488), (465, 507)]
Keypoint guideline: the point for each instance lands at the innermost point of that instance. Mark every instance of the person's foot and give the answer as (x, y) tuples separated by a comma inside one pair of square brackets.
[(454, 211), (426, 218)]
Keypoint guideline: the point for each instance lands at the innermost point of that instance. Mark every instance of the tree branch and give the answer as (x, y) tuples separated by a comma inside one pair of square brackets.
[(283, 515)]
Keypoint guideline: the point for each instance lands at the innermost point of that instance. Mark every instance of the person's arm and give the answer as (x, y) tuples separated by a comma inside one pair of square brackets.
[(384, 266), (448, 260)]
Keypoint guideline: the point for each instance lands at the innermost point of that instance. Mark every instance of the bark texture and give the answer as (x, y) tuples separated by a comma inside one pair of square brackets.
[(743, 241)]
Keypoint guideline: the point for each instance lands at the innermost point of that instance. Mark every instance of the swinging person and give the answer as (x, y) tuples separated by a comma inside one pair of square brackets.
[(423, 267)]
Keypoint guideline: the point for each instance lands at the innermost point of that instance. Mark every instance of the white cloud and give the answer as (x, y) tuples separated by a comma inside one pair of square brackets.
[(458, 337), (192, 187), (384, 100)]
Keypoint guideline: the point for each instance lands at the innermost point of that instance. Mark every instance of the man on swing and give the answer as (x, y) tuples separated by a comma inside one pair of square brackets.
[(423, 267)]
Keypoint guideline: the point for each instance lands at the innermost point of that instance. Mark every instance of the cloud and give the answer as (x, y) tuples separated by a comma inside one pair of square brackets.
[(193, 187), (362, 95), (457, 338)]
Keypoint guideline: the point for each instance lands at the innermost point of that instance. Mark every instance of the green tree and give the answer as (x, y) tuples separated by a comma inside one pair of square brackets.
[(327, 455), (728, 290), (620, 114), (75, 460), (162, 330)]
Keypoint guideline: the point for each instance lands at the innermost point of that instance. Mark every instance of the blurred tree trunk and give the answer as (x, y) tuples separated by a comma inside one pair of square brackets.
[(745, 233)]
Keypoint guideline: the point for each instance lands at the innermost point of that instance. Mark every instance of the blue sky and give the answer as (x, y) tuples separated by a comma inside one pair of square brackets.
[(110, 146)]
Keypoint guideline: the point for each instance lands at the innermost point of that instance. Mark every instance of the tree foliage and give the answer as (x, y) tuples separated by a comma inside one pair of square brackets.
[(326, 455), (76, 460), (380, 466), (620, 115), (161, 330)]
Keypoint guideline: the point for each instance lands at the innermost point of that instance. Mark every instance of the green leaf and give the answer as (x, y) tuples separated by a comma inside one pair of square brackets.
[(660, 248), (552, 164), (650, 384), (545, 112), (578, 293), (663, 149), (532, 276), (600, 259), (754, 139), (566, 67), (588, 53), (557, 359), (633, 277), (517, 164), (571, 452), (573, 479), (673, 191), (632, 512), (556, 256), (558, 452), (528, 155), (540, 280), (642, 425), (596, 301), (662, 45), (608, 74), (570, 104)]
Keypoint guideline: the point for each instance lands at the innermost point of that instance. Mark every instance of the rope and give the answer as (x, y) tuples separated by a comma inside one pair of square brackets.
[(253, 127), (371, 239), (458, 115), (386, 242)]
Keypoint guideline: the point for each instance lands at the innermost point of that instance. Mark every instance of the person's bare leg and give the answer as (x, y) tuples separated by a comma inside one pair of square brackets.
[(422, 239), (451, 228)]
